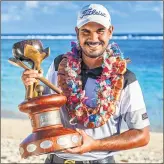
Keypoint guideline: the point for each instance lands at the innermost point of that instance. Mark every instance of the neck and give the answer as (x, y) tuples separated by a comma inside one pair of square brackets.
[(92, 62)]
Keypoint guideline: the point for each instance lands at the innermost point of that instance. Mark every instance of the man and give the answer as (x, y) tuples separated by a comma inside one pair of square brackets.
[(99, 117)]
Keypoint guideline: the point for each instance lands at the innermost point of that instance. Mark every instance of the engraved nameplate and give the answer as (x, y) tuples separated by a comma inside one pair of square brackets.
[(49, 118)]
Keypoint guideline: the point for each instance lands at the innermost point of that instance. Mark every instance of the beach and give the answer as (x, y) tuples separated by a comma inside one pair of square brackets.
[(13, 131), (145, 53)]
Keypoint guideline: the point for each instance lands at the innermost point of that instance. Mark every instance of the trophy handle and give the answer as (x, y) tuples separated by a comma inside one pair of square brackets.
[(19, 63), (54, 88)]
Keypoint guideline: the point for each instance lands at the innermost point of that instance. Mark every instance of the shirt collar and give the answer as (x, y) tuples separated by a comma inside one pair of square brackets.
[(95, 71)]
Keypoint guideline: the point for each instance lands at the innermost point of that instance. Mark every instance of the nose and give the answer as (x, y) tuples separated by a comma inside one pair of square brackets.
[(94, 36)]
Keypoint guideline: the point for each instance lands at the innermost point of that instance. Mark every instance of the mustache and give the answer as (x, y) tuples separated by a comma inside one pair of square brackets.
[(93, 43)]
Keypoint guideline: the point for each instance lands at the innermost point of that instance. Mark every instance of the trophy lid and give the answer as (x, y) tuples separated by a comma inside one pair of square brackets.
[(18, 48)]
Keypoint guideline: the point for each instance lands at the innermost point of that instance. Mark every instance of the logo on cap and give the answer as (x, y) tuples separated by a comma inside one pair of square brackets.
[(92, 11)]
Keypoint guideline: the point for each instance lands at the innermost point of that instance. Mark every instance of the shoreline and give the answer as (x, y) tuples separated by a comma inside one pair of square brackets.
[(13, 131)]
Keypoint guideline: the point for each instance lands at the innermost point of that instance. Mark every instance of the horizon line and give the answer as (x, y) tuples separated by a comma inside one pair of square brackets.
[(75, 33)]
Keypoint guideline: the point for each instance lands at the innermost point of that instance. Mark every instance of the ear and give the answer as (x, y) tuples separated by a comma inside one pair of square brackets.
[(77, 31), (110, 30)]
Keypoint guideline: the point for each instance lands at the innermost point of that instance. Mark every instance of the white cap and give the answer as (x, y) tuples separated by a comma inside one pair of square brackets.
[(94, 13)]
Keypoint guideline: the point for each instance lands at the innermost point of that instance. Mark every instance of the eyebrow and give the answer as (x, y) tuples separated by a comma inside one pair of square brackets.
[(103, 28), (86, 30)]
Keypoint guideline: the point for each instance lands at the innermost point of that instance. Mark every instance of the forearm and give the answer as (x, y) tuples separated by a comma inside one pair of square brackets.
[(130, 139)]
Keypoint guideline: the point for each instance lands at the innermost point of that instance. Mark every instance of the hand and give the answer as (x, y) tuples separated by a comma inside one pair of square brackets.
[(29, 77), (89, 144)]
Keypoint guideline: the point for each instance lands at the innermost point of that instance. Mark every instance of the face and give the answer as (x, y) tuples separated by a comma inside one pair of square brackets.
[(93, 39)]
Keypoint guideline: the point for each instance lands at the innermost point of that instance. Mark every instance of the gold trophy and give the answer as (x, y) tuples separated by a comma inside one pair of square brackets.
[(48, 134)]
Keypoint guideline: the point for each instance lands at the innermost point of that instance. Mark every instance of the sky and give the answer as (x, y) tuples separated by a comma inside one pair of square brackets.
[(61, 16)]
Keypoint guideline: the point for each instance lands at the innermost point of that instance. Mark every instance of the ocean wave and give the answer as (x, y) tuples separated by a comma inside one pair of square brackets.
[(69, 37), (48, 37), (137, 37)]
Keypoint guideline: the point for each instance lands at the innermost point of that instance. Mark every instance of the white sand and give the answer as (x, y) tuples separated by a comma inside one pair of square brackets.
[(13, 131)]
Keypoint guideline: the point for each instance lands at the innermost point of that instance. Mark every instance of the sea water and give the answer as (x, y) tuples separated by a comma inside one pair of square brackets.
[(145, 52)]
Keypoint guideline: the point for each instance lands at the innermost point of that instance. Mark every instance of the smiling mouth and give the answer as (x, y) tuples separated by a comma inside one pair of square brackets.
[(93, 44)]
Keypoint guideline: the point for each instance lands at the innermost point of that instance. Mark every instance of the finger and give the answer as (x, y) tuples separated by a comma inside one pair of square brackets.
[(31, 75), (29, 81), (30, 71), (23, 77), (40, 75), (34, 75), (73, 150), (24, 74)]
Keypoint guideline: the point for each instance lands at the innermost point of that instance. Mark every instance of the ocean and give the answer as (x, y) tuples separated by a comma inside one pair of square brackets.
[(144, 50)]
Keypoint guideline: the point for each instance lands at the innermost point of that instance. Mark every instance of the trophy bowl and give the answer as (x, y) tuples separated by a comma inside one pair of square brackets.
[(18, 48)]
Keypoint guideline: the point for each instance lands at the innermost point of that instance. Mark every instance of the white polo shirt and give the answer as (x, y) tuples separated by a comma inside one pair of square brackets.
[(130, 108)]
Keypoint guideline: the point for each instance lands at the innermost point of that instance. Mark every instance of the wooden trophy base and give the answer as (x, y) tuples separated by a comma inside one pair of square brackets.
[(48, 141), (48, 133)]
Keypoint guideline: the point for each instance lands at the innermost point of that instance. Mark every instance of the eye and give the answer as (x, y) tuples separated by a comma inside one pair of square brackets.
[(100, 31), (85, 32)]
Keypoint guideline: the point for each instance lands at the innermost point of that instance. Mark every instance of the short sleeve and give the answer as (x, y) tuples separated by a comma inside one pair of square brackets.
[(133, 109), (51, 76)]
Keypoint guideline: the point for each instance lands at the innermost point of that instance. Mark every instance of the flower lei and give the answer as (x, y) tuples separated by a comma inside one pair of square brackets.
[(108, 86)]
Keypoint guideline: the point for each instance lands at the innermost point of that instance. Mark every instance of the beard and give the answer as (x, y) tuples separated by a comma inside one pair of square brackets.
[(93, 54)]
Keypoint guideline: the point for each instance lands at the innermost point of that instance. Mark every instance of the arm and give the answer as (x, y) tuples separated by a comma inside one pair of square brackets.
[(138, 133), (132, 138)]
